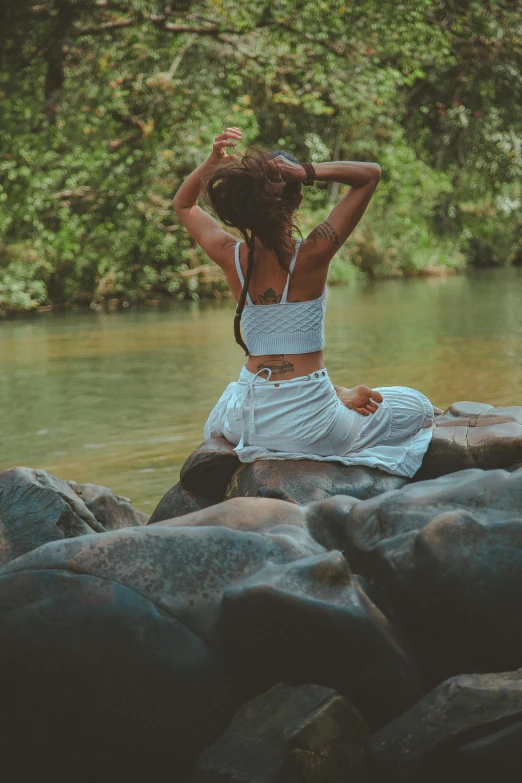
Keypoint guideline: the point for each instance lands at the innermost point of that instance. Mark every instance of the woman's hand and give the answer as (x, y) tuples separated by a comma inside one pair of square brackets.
[(361, 399), (290, 171), (228, 138)]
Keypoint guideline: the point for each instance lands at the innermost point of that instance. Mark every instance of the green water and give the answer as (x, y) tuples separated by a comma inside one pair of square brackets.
[(121, 398)]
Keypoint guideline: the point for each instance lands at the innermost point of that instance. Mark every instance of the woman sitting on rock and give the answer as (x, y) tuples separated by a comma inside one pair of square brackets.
[(284, 405)]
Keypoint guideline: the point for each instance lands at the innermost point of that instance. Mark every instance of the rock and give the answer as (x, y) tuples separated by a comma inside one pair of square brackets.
[(308, 734), (176, 503), (183, 570), (304, 481), (498, 752), (112, 511), (473, 435), (229, 587), (118, 635), (326, 520), (428, 735), (36, 508), (323, 520), (255, 515), (99, 682), (209, 468), (447, 553), (310, 620)]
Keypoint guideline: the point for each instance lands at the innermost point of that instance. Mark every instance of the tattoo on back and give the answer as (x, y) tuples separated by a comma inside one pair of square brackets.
[(278, 366), (269, 297), (326, 231)]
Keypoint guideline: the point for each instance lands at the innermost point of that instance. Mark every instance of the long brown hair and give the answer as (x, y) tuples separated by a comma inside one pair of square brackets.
[(250, 194)]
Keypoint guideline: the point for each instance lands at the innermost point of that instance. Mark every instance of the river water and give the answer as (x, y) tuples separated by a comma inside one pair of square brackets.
[(121, 398)]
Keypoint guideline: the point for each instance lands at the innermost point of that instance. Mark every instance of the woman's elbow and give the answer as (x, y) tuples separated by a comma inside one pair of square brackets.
[(176, 205), (375, 171)]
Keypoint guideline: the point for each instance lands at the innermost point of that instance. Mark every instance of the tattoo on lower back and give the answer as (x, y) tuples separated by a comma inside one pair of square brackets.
[(269, 297), (325, 231), (278, 366)]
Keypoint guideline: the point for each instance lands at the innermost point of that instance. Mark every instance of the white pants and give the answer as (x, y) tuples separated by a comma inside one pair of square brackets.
[(302, 418)]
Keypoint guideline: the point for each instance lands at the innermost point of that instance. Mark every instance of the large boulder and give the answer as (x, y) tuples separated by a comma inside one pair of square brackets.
[(308, 733), (473, 435), (311, 620), (209, 468), (184, 570), (451, 732), (303, 481), (324, 520), (190, 573), (117, 635), (178, 502), (488, 757), (36, 507), (447, 553), (112, 511), (100, 683), (213, 472)]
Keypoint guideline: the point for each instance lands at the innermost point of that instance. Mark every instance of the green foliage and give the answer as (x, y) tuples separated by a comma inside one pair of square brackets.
[(106, 107)]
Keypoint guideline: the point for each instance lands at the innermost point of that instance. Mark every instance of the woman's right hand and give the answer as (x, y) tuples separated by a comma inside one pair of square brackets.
[(228, 138)]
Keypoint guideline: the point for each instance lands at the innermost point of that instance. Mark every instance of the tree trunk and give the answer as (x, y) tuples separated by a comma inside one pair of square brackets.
[(55, 55)]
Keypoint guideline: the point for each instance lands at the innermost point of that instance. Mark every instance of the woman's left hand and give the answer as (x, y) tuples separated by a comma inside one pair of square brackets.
[(228, 138), (290, 171), (361, 399)]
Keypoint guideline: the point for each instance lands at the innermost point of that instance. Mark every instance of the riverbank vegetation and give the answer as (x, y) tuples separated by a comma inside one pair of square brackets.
[(106, 106)]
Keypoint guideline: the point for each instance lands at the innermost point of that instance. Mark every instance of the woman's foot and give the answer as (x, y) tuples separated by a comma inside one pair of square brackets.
[(361, 399)]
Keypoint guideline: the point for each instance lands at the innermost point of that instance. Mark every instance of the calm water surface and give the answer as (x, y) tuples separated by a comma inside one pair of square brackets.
[(121, 398)]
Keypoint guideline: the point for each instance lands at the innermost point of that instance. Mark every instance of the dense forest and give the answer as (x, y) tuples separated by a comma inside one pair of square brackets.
[(106, 106)]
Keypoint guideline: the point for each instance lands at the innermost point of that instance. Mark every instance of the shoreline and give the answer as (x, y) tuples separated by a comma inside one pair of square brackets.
[(123, 302)]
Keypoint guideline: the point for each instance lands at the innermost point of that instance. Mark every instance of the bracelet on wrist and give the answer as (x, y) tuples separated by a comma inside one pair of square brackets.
[(310, 174)]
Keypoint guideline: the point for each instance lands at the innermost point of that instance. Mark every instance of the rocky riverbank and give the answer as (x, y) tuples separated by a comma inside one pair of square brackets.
[(279, 621)]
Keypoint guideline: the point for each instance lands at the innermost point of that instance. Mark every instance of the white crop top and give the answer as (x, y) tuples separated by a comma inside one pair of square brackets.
[(286, 327)]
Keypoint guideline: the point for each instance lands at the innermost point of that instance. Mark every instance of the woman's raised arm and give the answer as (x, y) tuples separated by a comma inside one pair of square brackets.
[(207, 232), (363, 178)]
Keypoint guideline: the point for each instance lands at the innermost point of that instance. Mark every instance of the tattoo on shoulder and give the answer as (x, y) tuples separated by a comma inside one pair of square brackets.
[(326, 231), (278, 366)]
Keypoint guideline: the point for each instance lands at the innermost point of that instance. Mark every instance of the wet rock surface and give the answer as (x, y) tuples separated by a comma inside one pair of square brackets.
[(473, 435), (307, 733)]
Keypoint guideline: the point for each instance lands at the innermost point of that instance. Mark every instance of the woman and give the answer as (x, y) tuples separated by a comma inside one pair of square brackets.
[(284, 405)]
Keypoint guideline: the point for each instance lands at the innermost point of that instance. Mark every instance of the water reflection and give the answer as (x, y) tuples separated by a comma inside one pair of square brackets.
[(120, 398)]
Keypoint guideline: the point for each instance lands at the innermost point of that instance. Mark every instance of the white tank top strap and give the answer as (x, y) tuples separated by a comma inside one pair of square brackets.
[(290, 270), (240, 271)]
